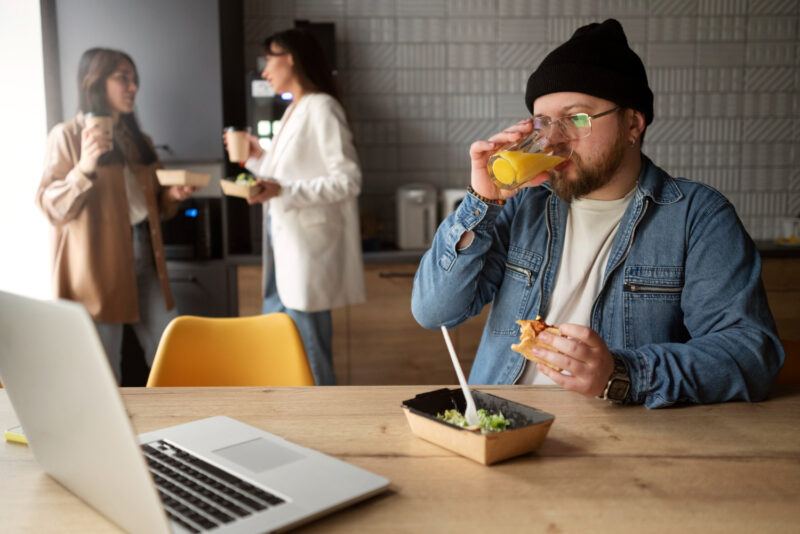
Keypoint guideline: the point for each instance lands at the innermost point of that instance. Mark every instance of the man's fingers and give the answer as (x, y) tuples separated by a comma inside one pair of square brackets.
[(559, 359), (581, 333), (565, 381), (506, 137), (572, 346), (560, 343), (513, 133), (481, 148)]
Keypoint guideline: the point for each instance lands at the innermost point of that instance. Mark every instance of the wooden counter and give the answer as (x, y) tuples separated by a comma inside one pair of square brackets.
[(721, 468)]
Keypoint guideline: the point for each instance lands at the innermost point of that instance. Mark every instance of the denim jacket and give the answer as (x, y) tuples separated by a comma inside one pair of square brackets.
[(681, 301)]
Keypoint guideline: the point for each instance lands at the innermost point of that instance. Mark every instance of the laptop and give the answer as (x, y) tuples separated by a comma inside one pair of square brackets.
[(215, 474)]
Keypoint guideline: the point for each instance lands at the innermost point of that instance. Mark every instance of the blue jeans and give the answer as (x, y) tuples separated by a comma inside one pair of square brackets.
[(315, 329), (153, 314)]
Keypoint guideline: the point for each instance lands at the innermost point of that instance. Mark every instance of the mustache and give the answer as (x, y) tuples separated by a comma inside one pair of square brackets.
[(566, 154)]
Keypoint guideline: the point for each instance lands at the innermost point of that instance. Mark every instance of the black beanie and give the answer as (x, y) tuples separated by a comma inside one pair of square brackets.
[(596, 61)]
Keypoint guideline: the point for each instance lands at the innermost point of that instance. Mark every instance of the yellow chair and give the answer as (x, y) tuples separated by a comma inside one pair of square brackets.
[(262, 350)]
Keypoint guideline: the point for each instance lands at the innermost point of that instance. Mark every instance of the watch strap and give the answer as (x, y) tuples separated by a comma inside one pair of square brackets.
[(619, 384)]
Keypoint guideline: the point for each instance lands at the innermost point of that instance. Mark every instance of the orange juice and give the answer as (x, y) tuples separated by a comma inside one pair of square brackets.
[(511, 168)]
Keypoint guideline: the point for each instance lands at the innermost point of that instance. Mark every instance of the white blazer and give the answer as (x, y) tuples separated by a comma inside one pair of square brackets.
[(314, 229)]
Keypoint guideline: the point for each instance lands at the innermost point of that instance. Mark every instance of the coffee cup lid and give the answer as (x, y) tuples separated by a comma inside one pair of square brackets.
[(237, 129), (96, 114)]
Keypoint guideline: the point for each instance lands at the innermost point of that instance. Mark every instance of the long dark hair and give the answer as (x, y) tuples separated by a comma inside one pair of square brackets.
[(310, 63), (94, 68)]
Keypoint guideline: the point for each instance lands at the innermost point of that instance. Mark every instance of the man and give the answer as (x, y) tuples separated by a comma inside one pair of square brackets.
[(652, 280)]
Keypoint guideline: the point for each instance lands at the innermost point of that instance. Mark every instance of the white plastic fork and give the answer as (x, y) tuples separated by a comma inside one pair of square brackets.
[(471, 413)]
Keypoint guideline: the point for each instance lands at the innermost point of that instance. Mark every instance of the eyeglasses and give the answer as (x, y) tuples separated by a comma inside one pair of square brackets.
[(571, 127)]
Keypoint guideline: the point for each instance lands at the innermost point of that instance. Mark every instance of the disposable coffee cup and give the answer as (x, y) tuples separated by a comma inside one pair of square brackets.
[(103, 123), (238, 143)]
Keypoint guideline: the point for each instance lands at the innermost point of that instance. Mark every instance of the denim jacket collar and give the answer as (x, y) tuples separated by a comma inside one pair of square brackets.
[(657, 185)]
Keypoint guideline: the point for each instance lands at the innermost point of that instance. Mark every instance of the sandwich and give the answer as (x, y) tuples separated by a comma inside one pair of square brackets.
[(529, 330)]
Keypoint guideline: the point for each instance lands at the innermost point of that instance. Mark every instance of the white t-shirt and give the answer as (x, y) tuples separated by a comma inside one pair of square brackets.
[(137, 205), (591, 227)]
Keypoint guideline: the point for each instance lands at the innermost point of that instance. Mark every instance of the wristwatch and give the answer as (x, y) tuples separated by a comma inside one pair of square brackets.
[(619, 385)]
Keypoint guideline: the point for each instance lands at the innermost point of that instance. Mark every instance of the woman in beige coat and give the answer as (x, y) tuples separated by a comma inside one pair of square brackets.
[(312, 241), (102, 197)]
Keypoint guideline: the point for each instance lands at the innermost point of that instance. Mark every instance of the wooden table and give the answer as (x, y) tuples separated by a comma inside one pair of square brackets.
[(723, 468)]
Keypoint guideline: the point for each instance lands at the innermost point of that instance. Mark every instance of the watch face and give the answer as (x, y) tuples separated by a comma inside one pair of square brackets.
[(618, 390)]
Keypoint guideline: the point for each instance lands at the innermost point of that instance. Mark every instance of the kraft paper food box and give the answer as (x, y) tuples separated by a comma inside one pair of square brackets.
[(230, 188), (526, 433), (167, 177)]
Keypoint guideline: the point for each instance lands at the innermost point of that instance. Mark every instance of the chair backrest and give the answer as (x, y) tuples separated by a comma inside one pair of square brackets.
[(262, 350)]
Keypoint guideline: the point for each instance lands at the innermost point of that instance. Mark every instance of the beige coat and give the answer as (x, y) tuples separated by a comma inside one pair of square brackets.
[(315, 231), (92, 243)]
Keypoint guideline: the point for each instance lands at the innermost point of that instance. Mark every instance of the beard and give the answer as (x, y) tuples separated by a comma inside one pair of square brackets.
[(590, 177)]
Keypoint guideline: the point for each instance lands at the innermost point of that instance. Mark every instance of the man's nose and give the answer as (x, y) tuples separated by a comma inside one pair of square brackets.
[(558, 144), (557, 134)]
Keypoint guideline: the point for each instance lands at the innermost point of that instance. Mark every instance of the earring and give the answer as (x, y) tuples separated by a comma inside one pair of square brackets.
[(633, 141)]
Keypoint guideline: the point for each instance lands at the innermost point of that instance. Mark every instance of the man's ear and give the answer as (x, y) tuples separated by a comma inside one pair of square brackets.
[(636, 123)]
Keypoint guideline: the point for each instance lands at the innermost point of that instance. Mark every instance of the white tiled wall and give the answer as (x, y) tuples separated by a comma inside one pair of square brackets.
[(422, 79)]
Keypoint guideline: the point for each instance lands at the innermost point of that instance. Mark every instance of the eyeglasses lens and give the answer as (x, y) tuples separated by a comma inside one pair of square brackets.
[(572, 127), (576, 126)]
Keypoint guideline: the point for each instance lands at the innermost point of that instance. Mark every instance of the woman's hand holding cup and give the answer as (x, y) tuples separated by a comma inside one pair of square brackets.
[(241, 144), (255, 149), (94, 143)]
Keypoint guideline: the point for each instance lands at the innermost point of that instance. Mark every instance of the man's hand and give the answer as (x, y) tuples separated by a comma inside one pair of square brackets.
[(481, 151), (583, 353)]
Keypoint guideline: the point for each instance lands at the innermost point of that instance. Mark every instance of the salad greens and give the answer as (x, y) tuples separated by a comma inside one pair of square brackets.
[(487, 422), (244, 179)]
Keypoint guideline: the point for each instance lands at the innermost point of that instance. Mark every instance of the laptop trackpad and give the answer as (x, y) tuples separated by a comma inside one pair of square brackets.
[(258, 455)]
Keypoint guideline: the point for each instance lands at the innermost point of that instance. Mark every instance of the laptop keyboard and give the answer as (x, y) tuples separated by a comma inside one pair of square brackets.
[(198, 495)]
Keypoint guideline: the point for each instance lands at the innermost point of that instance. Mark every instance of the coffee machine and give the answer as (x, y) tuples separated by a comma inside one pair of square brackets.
[(195, 232)]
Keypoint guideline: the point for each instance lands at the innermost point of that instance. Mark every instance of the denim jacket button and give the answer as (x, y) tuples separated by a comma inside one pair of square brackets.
[(476, 212)]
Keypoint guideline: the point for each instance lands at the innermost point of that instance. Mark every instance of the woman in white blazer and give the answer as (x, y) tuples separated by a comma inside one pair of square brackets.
[(311, 181)]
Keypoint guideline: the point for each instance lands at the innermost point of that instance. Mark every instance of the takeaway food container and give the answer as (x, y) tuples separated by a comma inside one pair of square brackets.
[(528, 429)]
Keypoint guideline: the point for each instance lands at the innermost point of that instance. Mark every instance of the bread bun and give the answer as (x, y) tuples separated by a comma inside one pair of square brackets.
[(529, 331)]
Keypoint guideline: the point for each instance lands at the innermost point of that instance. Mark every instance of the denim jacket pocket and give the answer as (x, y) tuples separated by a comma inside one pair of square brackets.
[(652, 305), (511, 301)]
